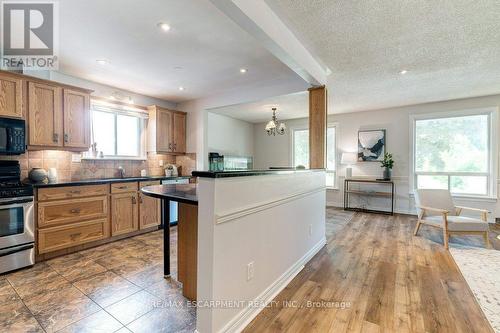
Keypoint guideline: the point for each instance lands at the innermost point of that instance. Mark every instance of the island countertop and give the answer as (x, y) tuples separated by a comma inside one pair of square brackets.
[(185, 193), (246, 173)]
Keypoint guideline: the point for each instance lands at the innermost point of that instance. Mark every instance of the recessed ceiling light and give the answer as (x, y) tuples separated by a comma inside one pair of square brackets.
[(163, 26), (181, 88), (102, 61), (243, 70), (403, 72)]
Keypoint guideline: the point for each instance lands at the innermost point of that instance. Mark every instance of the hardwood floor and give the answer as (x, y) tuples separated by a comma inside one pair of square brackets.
[(378, 278)]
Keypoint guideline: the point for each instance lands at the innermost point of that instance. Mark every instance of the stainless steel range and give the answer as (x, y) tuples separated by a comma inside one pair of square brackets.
[(17, 229)]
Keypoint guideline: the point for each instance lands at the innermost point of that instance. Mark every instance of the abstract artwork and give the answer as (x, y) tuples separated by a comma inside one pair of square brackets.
[(371, 145)]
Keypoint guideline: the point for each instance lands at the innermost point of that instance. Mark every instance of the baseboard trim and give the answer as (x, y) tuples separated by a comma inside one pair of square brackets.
[(242, 319), (397, 211)]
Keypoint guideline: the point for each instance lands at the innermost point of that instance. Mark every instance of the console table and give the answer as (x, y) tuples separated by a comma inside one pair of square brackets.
[(348, 191)]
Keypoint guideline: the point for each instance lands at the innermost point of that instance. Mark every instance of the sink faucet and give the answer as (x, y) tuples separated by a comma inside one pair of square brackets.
[(121, 172)]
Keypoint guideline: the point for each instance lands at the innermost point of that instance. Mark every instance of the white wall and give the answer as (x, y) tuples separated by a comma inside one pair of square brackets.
[(276, 222), (100, 90), (270, 151), (274, 151), (229, 136), (197, 119)]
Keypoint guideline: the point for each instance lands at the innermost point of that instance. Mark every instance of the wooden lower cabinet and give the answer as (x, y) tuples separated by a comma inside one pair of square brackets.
[(59, 212), (149, 212), (71, 192), (124, 213), (69, 216), (61, 237)]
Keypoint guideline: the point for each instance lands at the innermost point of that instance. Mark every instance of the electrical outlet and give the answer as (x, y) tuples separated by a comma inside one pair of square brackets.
[(250, 271), (160, 163), (310, 229)]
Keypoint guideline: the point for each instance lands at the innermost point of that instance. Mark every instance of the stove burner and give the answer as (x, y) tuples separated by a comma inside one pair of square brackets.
[(10, 181)]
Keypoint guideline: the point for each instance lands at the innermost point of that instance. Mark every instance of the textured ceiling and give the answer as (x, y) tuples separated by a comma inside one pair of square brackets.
[(202, 52), (451, 48), (288, 107)]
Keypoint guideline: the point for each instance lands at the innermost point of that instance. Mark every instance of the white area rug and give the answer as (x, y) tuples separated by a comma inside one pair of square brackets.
[(481, 269)]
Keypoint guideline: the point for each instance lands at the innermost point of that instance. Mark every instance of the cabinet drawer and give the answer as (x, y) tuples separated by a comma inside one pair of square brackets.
[(68, 192), (57, 238), (149, 183), (69, 211), (124, 187)]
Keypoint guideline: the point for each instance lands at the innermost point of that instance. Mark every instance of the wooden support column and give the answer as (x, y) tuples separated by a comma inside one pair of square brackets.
[(317, 127)]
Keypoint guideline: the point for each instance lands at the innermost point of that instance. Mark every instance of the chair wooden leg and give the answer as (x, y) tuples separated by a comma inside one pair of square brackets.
[(487, 240), (417, 227), (445, 238)]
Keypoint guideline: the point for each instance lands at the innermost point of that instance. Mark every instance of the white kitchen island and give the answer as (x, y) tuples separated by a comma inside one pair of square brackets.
[(256, 231)]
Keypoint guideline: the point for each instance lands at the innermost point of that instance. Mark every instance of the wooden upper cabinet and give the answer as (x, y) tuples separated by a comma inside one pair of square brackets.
[(11, 96), (164, 135), (45, 119), (179, 132), (166, 131), (76, 119)]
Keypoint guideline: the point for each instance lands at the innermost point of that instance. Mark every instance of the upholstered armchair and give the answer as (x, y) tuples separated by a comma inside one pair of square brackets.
[(436, 208)]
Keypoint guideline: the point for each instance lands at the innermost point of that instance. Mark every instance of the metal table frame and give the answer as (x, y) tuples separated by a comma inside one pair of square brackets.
[(348, 192)]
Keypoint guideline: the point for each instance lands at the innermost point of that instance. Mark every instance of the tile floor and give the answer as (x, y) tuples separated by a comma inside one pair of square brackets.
[(113, 287)]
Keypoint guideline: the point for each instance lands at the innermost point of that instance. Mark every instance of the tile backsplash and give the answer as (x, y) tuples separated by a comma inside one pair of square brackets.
[(90, 169)]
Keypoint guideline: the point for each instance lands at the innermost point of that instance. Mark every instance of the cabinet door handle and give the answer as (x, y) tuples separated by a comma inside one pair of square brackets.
[(122, 187), (75, 191), (66, 138), (133, 200), (140, 199), (170, 146), (55, 137), (175, 146), (75, 210), (73, 236)]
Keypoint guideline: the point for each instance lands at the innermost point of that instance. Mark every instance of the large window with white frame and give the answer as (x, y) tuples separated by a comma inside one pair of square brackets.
[(119, 132), (456, 151), (300, 151)]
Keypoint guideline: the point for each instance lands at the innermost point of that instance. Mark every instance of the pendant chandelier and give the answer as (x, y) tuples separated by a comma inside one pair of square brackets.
[(273, 128)]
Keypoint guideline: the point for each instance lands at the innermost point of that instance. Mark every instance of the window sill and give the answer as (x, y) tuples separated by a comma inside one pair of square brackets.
[(468, 197), (118, 158), (332, 188)]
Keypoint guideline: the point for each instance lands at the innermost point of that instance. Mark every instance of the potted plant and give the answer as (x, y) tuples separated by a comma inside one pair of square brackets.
[(387, 163)]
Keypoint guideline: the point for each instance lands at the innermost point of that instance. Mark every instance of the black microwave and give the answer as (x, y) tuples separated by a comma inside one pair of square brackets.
[(12, 136)]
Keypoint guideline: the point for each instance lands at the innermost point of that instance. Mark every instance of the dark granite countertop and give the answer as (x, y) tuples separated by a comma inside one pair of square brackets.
[(246, 173), (185, 193), (103, 181)]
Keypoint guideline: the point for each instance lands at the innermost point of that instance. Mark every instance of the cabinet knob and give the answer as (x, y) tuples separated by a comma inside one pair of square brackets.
[(55, 137), (75, 210), (66, 138), (74, 236)]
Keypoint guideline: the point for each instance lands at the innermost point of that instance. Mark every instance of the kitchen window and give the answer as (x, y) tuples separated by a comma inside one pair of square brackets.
[(118, 131), (456, 151), (300, 151)]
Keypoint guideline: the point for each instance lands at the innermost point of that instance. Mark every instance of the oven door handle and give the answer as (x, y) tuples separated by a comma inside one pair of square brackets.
[(12, 250), (15, 201)]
